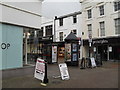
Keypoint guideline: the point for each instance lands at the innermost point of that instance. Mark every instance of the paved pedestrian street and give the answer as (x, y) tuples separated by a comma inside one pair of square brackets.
[(99, 77)]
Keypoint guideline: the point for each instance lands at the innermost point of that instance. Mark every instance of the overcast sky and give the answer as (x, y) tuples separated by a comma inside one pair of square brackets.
[(51, 8)]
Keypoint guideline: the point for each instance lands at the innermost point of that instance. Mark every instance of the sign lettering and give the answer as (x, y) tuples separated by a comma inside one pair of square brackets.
[(5, 46)]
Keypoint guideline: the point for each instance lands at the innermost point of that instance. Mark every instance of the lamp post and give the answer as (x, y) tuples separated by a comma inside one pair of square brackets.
[(27, 34), (90, 44)]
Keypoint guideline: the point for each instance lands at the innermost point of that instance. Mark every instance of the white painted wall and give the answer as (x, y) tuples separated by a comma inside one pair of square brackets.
[(68, 25), (22, 13), (109, 17)]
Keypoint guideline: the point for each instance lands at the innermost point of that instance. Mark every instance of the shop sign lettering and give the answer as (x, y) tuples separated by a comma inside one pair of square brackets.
[(100, 41), (5, 46)]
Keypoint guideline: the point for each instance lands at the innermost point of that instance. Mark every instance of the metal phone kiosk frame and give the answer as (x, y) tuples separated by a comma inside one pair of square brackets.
[(73, 41)]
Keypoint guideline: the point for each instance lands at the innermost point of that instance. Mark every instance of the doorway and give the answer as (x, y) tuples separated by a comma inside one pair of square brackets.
[(102, 50), (61, 54)]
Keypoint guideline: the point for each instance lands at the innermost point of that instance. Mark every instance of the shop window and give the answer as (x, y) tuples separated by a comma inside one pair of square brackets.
[(61, 21), (102, 28), (117, 6), (101, 8), (117, 26), (48, 30), (74, 19), (61, 36), (89, 13), (40, 32)]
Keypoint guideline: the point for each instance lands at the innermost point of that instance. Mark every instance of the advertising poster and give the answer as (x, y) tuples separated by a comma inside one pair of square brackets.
[(40, 69), (74, 47), (74, 57), (93, 62), (68, 52), (64, 71), (54, 54)]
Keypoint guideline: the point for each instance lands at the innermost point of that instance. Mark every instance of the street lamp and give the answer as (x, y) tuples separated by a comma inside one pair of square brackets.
[(27, 34)]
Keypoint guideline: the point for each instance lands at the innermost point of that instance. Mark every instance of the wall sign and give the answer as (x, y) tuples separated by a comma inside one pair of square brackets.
[(5, 46), (100, 41), (68, 52), (75, 57), (74, 47), (54, 54)]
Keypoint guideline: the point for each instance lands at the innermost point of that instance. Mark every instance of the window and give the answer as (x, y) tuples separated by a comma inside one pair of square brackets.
[(74, 19), (117, 6), (61, 21), (89, 13), (48, 30), (31, 33), (40, 32), (61, 36), (101, 8), (117, 26), (102, 28), (74, 31), (90, 30)]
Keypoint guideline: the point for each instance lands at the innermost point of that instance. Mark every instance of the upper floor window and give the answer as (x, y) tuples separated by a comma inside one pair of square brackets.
[(117, 6), (40, 32), (48, 30), (89, 13), (90, 30), (61, 21), (61, 36), (101, 8), (102, 28), (74, 19), (117, 26), (74, 31), (31, 32)]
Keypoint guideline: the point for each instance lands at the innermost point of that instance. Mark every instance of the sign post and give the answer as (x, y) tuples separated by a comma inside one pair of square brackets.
[(90, 44), (41, 70)]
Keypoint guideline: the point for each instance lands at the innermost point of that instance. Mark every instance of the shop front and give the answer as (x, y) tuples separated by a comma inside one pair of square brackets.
[(46, 49), (105, 48), (11, 42)]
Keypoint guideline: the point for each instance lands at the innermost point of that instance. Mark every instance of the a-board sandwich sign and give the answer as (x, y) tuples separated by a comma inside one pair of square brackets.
[(40, 69), (64, 71), (93, 62)]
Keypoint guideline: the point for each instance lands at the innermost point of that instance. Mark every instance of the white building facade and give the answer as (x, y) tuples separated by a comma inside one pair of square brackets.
[(101, 28), (67, 23), (64, 25), (17, 19)]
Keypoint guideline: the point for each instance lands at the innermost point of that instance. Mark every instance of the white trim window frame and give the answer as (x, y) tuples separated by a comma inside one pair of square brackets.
[(102, 28), (89, 13), (61, 36), (117, 26), (116, 5), (101, 10)]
